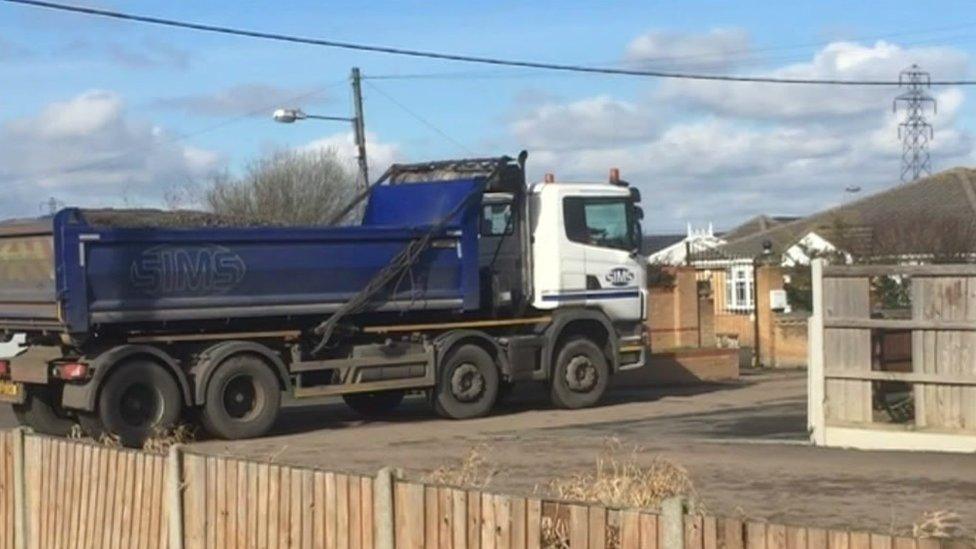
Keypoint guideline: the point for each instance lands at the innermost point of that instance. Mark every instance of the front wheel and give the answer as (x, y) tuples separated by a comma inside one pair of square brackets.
[(139, 400), (41, 411), (467, 383), (243, 399), (580, 376)]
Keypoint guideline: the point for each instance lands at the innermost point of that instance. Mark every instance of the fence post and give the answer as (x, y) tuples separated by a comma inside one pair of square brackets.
[(673, 522), (815, 358), (20, 490), (383, 527), (174, 497)]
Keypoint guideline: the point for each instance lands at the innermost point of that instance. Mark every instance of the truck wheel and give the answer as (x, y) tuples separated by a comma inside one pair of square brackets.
[(374, 404), (467, 385), (243, 399), (42, 412), (139, 400), (580, 376)]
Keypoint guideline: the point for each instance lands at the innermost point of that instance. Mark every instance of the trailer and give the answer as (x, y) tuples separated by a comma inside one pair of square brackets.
[(459, 281)]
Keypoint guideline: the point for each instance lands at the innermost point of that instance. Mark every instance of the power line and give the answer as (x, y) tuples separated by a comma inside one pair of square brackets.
[(420, 118), (457, 57), (738, 58)]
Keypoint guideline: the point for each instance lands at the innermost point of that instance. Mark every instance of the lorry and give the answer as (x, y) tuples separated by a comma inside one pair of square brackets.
[(459, 281)]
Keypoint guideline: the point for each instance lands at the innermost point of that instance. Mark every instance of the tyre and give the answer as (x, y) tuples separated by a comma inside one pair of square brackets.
[(467, 383), (374, 404), (138, 400), (580, 376), (41, 411), (243, 399)]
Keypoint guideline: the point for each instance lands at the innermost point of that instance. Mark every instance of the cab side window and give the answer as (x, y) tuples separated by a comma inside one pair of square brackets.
[(496, 219)]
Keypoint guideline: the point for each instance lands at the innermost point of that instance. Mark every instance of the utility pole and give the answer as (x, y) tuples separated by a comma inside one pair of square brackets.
[(915, 131), (359, 125), (292, 115)]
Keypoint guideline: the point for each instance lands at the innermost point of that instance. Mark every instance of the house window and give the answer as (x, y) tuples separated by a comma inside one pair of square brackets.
[(738, 288)]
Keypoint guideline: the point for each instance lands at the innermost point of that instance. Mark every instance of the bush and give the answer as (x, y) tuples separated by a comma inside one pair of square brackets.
[(285, 188)]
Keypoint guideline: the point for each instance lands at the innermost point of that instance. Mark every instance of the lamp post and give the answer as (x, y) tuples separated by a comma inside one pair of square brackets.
[(290, 116)]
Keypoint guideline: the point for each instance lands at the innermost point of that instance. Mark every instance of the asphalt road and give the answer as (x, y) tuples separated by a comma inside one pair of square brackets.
[(744, 444)]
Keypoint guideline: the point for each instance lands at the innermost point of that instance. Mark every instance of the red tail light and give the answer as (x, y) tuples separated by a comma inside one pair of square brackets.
[(4, 368), (72, 371)]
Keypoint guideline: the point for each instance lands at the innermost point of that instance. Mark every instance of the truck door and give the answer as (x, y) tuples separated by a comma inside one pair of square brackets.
[(499, 253), (613, 277)]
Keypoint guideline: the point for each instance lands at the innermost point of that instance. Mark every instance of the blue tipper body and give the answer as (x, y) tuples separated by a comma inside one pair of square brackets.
[(114, 274)]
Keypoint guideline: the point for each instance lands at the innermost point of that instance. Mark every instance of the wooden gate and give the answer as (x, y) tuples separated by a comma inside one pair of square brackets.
[(893, 376)]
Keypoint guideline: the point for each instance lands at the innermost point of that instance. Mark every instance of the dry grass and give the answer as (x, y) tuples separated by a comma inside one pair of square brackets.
[(622, 480), (105, 439), (939, 524), (158, 443), (555, 534), (472, 471), (162, 440)]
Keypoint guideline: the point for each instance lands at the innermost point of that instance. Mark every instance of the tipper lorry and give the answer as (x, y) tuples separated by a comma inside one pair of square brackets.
[(459, 281)]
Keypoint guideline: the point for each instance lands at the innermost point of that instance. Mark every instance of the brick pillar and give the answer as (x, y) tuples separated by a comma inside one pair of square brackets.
[(686, 307), (768, 277)]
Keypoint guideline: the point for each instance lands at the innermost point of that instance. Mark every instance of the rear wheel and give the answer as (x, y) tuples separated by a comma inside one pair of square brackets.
[(139, 400), (580, 376), (374, 404), (467, 383), (41, 411), (243, 399)]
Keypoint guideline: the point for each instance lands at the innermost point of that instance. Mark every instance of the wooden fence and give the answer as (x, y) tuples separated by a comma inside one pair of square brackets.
[(860, 398), (59, 493)]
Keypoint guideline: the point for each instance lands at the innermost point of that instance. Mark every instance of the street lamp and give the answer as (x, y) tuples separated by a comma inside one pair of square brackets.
[(290, 116)]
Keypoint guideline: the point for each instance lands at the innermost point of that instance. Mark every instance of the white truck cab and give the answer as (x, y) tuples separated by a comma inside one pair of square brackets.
[(586, 252)]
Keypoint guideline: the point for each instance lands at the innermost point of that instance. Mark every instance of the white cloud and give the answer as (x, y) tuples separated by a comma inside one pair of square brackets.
[(839, 60), (89, 151), (600, 119), (86, 114), (379, 155), (716, 49), (725, 152)]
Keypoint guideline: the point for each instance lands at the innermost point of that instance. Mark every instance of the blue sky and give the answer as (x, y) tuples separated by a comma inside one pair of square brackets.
[(112, 97)]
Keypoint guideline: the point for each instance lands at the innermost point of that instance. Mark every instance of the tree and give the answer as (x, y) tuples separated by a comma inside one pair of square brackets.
[(286, 187)]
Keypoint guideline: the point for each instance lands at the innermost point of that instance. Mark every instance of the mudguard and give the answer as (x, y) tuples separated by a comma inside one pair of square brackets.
[(212, 357), (447, 340), (83, 396), (562, 318)]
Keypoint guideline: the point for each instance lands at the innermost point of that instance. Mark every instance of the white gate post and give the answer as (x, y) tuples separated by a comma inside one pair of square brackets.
[(815, 358)]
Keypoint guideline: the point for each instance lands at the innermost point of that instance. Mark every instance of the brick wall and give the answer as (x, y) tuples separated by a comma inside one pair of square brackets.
[(673, 312), (790, 337), (684, 367), (738, 325)]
